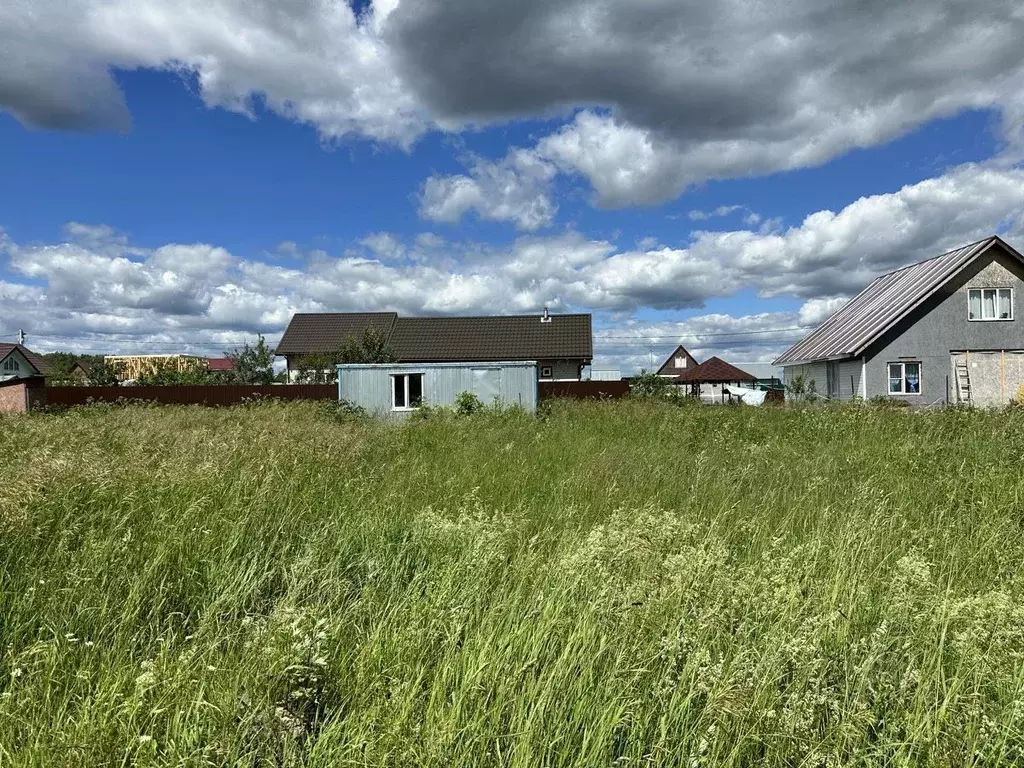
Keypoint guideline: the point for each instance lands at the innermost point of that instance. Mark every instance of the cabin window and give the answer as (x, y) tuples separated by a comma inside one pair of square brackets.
[(406, 391), (10, 364), (990, 304), (546, 372), (904, 378), (680, 362)]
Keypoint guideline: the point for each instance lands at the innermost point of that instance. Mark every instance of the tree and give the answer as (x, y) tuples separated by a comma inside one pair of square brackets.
[(99, 373), (255, 364), (801, 388), (319, 368), (647, 384), (174, 373)]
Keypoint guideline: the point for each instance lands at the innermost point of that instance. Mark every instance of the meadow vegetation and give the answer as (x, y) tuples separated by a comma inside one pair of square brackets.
[(611, 584)]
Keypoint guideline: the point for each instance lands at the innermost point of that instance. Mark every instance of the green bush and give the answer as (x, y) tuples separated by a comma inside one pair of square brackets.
[(467, 403)]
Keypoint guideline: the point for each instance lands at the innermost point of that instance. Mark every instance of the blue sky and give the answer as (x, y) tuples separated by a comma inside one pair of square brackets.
[(170, 185)]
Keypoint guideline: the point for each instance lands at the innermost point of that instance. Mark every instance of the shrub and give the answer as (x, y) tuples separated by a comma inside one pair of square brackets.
[(648, 384), (467, 403)]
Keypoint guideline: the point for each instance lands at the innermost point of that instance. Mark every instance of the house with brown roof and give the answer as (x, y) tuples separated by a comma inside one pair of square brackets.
[(677, 364), (19, 362), (22, 373), (560, 345), (222, 365)]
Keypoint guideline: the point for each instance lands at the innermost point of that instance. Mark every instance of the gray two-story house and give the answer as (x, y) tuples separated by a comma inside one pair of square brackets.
[(945, 330)]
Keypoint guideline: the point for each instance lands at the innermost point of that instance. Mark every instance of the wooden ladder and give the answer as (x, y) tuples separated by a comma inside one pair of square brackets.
[(963, 383)]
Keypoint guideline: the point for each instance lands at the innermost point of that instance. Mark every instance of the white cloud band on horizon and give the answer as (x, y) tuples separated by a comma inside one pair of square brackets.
[(96, 282)]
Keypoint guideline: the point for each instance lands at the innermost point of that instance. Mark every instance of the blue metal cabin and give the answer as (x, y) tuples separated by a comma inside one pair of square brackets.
[(394, 390)]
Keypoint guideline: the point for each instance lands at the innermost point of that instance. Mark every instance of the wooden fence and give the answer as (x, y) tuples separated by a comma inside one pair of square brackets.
[(583, 390), (227, 394)]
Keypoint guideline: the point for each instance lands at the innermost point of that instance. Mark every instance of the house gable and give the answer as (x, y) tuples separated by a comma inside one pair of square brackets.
[(17, 361), (939, 331), (888, 301), (678, 363)]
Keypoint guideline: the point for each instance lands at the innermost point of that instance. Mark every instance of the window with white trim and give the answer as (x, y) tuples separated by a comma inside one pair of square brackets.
[(406, 391), (546, 372), (680, 362), (990, 304), (10, 364), (904, 378)]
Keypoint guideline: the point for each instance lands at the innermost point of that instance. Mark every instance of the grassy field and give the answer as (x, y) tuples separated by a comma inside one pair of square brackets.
[(622, 584)]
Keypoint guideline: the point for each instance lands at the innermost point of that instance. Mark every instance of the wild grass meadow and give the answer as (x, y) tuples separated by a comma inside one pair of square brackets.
[(617, 584)]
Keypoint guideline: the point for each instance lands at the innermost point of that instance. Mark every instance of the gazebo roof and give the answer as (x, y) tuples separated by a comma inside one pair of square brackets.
[(715, 371)]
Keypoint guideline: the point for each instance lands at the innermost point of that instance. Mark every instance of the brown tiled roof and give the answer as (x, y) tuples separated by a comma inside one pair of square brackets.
[(35, 360), (508, 337), (220, 364), (447, 339), (316, 332), (668, 368), (715, 371)]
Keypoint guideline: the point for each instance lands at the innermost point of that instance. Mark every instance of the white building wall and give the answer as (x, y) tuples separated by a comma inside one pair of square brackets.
[(816, 372), (508, 383), (18, 361), (561, 370)]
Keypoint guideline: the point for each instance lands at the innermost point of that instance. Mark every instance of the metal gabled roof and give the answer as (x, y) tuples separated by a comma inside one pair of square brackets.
[(886, 301)]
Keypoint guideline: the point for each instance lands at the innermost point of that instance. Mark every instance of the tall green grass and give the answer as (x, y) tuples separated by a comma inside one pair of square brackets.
[(615, 584)]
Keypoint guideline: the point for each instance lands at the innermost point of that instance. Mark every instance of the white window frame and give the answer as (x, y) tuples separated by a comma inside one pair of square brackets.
[(550, 371), (12, 364), (406, 375), (995, 304), (903, 378), (680, 362)]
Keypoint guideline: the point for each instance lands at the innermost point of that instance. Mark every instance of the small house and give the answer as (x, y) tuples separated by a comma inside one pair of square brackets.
[(677, 364), (18, 362), (560, 346), (944, 330), (394, 390)]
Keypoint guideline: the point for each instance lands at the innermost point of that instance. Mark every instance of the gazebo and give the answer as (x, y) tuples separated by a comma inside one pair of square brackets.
[(715, 372)]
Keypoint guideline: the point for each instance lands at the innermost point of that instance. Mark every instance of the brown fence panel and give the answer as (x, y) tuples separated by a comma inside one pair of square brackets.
[(583, 389), (228, 394)]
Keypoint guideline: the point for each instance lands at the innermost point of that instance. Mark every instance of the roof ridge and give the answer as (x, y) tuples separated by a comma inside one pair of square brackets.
[(885, 301), (936, 258), (492, 317)]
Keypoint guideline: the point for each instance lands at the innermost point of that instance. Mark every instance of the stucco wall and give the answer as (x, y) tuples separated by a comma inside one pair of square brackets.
[(940, 327), (12, 398), (560, 369)]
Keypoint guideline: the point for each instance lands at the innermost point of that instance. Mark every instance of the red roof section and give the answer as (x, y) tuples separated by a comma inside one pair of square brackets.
[(715, 371), (220, 364)]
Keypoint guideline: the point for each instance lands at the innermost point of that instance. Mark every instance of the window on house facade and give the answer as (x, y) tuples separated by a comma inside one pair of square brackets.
[(10, 364), (904, 378), (990, 304), (546, 372), (406, 391), (680, 362)]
